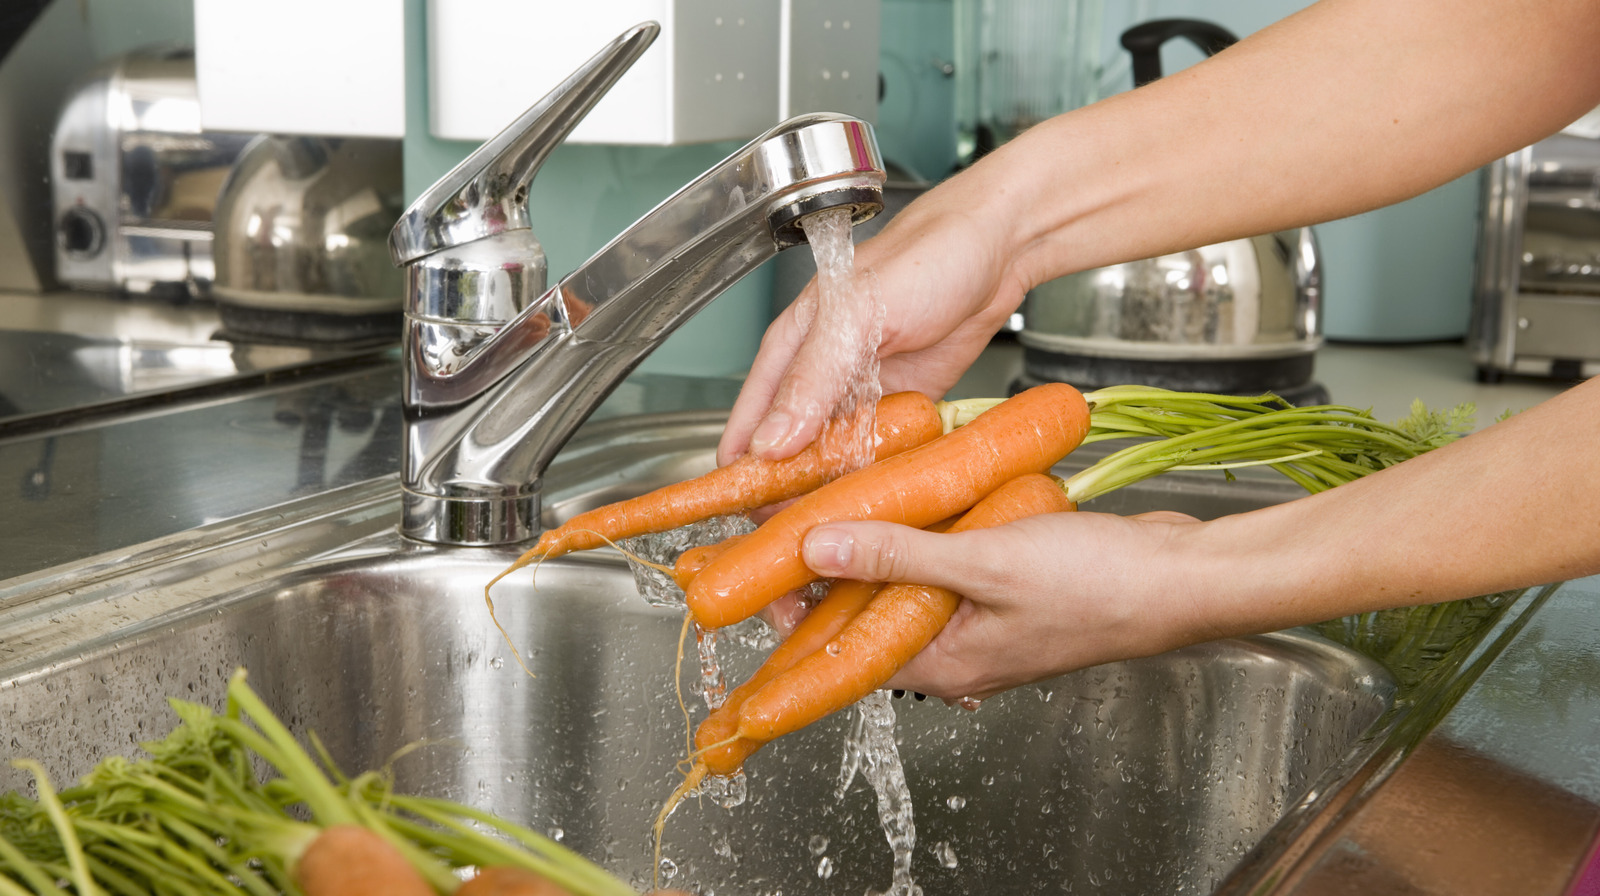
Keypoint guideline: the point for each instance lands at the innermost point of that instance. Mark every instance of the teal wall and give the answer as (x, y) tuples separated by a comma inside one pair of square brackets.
[(916, 118)]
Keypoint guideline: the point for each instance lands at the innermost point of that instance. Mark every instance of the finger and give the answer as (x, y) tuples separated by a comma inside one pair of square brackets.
[(886, 552), (936, 674), (783, 338), (814, 386), (1165, 516), (785, 613)]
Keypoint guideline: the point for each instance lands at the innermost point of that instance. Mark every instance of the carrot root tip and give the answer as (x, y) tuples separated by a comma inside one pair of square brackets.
[(690, 782)]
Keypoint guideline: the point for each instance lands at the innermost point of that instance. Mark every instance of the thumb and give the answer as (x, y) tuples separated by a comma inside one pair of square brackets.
[(876, 552)]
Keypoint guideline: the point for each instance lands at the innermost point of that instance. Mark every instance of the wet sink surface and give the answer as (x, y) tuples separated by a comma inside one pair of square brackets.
[(1154, 775)]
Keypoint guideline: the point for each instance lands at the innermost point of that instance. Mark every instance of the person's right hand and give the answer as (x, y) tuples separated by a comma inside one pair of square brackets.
[(944, 276)]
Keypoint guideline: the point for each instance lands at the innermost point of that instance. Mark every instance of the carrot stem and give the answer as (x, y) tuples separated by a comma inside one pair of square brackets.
[(82, 881)]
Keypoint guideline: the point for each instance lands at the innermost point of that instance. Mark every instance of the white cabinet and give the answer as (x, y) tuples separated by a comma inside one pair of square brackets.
[(721, 69), (302, 66)]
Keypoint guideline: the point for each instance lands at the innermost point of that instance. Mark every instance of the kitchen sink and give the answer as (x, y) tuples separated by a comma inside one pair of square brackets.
[(1157, 775)]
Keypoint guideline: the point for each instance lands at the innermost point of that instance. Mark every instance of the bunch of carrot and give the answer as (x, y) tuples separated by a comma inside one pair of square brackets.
[(194, 819), (975, 464)]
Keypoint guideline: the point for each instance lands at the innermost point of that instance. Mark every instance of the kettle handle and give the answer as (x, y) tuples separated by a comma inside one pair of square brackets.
[(1144, 42)]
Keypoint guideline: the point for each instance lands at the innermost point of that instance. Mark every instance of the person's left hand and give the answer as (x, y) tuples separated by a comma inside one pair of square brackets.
[(1042, 596)]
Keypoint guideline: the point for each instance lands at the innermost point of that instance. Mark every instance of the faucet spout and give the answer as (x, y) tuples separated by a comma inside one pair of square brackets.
[(489, 404)]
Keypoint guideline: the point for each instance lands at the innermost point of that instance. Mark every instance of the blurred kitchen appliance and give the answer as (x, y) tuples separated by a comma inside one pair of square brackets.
[(1240, 316), (1019, 62), (302, 241), (135, 180), (1536, 295)]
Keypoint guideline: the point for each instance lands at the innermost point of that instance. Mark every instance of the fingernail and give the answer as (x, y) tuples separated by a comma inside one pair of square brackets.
[(828, 552), (771, 433)]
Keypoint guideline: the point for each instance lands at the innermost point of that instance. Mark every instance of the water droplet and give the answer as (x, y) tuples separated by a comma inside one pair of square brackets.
[(557, 834), (832, 648), (945, 854), (825, 867), (669, 869), (496, 663), (956, 803), (818, 844)]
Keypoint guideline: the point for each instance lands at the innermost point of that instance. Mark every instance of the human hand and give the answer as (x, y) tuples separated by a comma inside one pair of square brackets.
[(946, 287), (1042, 596)]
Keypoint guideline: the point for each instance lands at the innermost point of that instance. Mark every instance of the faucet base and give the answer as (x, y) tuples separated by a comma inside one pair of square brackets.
[(469, 521)]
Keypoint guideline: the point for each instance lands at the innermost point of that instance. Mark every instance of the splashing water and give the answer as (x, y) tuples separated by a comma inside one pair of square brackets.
[(870, 750), (846, 314), (656, 587)]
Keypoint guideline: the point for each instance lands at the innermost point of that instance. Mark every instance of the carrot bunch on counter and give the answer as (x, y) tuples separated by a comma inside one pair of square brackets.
[(194, 819)]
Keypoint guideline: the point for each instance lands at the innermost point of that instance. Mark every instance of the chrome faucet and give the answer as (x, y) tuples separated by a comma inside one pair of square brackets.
[(499, 372)]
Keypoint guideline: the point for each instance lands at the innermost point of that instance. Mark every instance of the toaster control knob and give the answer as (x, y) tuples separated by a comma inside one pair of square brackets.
[(81, 232)]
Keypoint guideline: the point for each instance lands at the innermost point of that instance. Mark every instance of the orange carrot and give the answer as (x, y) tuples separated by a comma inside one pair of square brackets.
[(904, 420), (691, 561), (507, 881), (718, 752), (843, 601), (1027, 433), (899, 622), (349, 860)]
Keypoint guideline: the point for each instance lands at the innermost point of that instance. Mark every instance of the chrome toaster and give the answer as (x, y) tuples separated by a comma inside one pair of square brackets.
[(1536, 295), (135, 180)]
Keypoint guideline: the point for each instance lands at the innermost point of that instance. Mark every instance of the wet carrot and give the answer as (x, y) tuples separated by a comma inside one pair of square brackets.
[(1027, 433), (843, 601), (878, 641), (903, 421), (350, 860), (691, 561), (718, 751), (507, 881)]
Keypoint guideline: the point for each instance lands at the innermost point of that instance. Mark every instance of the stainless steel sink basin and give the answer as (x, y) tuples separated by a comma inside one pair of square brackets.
[(1151, 776)]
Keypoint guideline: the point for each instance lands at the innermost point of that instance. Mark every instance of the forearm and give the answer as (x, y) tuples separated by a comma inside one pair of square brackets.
[(1514, 505), (1344, 107)]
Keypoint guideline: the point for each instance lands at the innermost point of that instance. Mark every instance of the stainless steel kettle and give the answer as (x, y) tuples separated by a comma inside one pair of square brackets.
[(1240, 316), (302, 242)]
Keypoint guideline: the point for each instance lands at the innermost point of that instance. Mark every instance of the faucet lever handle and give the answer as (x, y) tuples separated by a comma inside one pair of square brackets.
[(487, 193)]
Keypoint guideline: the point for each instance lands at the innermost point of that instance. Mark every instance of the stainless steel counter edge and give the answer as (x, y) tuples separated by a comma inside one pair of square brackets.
[(1485, 802)]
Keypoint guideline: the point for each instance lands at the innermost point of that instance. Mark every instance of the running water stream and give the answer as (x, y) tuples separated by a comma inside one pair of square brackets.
[(845, 329), (843, 317)]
